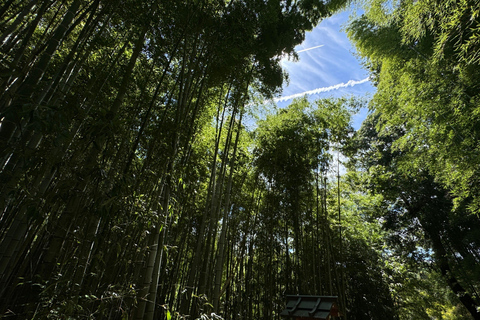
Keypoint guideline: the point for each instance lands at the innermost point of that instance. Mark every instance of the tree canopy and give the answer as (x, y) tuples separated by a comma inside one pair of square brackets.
[(131, 188)]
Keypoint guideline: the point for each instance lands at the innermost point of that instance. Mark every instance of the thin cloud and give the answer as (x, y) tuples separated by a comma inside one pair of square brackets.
[(350, 83), (303, 50)]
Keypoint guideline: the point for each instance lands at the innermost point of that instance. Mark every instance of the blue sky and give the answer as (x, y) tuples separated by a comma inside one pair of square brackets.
[(327, 66)]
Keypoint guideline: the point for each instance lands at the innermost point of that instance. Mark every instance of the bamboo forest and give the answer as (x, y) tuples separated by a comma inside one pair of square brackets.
[(144, 174)]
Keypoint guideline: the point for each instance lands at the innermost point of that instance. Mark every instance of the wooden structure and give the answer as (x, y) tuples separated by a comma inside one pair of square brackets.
[(302, 307)]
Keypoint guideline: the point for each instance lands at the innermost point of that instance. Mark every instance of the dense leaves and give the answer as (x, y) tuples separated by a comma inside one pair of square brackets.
[(120, 136), (427, 77), (130, 187), (423, 226), (420, 144)]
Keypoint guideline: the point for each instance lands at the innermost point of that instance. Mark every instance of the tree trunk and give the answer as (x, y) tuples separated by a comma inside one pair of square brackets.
[(226, 206), (442, 261)]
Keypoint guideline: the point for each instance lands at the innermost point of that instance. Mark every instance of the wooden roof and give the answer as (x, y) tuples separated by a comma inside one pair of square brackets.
[(310, 307)]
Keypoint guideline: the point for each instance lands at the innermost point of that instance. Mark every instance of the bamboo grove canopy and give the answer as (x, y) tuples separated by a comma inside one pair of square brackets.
[(103, 108), (130, 187)]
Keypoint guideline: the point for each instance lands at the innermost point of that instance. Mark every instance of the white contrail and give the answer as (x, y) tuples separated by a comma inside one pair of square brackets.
[(350, 83), (303, 50)]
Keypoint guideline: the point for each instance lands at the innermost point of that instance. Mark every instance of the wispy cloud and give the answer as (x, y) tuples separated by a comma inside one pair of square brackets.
[(311, 48), (350, 83)]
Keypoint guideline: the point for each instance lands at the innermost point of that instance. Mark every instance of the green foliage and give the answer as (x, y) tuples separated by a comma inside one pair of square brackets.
[(131, 189), (428, 85), (420, 145), (424, 230), (108, 152), (317, 230)]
